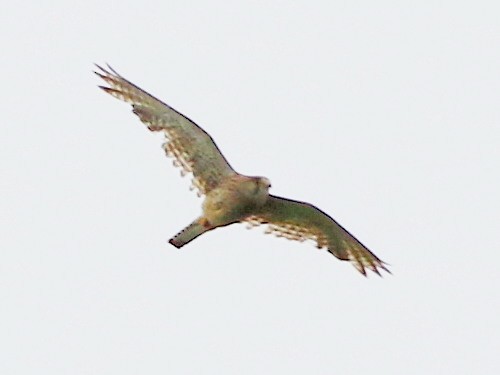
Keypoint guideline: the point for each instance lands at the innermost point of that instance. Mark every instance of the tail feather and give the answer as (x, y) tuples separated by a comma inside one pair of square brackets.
[(188, 234)]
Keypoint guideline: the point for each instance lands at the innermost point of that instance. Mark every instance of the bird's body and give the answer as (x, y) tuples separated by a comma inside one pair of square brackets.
[(229, 196), (231, 202), (235, 199)]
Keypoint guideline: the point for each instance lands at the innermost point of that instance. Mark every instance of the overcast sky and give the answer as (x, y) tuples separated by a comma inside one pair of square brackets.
[(384, 114)]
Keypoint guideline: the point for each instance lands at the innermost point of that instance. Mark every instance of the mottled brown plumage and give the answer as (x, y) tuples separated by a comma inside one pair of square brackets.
[(229, 196)]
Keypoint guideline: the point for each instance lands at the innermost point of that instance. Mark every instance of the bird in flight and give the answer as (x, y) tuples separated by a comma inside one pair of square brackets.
[(229, 196)]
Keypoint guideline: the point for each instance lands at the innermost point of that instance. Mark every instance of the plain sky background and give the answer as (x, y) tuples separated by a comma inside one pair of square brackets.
[(385, 114)]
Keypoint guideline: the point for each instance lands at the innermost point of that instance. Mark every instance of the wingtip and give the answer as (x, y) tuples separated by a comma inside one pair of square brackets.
[(113, 92), (109, 71), (100, 75), (112, 70), (374, 267), (375, 270), (384, 265), (381, 266), (99, 67)]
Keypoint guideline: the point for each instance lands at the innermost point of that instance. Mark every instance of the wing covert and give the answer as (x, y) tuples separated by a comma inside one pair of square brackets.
[(302, 221), (193, 149)]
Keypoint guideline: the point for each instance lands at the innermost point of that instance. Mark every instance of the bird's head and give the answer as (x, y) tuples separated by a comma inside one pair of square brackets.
[(255, 189), (263, 183), (261, 189)]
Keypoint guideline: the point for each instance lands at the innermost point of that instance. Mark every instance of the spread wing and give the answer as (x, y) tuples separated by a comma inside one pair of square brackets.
[(193, 149), (301, 221)]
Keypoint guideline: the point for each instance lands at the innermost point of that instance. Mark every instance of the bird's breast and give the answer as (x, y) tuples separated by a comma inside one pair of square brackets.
[(227, 204)]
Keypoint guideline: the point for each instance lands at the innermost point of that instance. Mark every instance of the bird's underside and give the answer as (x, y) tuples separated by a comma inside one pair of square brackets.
[(229, 196)]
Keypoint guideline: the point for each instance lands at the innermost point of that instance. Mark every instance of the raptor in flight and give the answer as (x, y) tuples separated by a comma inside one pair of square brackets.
[(229, 196)]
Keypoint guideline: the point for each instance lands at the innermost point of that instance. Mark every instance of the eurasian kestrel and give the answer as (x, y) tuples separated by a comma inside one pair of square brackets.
[(229, 196)]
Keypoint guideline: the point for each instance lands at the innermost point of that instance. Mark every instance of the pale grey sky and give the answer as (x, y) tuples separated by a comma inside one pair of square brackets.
[(384, 114)]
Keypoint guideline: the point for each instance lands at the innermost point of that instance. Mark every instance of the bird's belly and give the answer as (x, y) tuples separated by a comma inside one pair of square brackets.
[(223, 207)]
